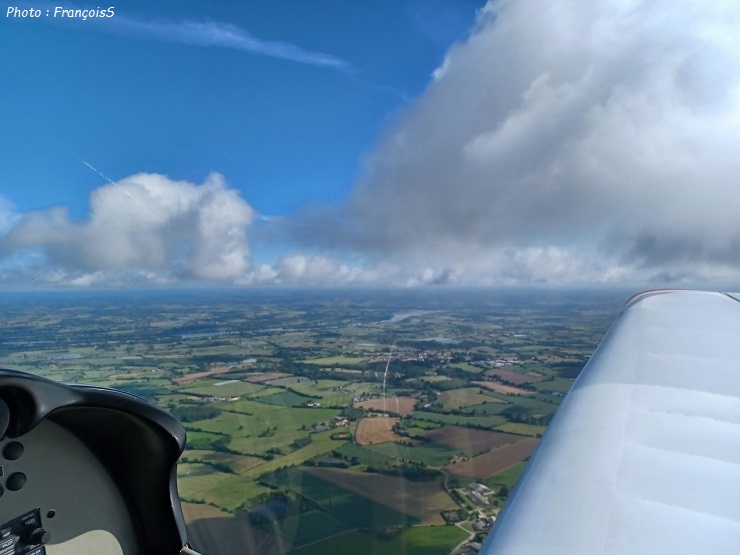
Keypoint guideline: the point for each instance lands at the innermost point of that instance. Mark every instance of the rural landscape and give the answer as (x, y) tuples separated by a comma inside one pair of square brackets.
[(393, 421)]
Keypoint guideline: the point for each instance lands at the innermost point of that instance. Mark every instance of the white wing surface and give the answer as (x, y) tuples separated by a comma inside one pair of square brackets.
[(643, 455)]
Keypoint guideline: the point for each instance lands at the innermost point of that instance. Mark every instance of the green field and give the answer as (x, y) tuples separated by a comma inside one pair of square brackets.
[(321, 444), (359, 388), (203, 440), (309, 527), (288, 380), (318, 388), (227, 388), (467, 367), (269, 427), (234, 490), (508, 477), (202, 483), (265, 392), (431, 454), (333, 393), (561, 385), (276, 443), (195, 480), (366, 456), (465, 397), (522, 429), (334, 361), (478, 421), (521, 405), (428, 379), (281, 416), (354, 510), (424, 424), (337, 400), (416, 432), (237, 463), (426, 540), (286, 399)]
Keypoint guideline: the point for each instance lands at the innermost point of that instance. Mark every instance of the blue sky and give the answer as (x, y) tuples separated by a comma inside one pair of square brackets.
[(402, 143), (143, 92)]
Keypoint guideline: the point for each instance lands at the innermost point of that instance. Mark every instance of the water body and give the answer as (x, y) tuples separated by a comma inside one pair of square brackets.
[(403, 315)]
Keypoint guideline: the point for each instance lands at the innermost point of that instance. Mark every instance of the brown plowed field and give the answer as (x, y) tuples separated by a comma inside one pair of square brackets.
[(494, 461), (501, 388), (470, 439), (396, 405), (424, 500), (514, 377), (190, 378), (377, 430)]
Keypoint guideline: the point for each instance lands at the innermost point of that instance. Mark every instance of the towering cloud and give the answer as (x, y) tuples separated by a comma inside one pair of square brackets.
[(566, 140)]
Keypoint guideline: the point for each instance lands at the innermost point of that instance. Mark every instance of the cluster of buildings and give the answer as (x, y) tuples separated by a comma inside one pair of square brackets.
[(483, 519), (424, 355), (500, 362)]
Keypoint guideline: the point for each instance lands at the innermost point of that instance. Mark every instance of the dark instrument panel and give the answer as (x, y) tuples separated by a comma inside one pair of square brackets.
[(86, 470)]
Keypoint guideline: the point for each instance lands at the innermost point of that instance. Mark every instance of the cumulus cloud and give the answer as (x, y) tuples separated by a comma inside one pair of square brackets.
[(565, 140), (146, 227)]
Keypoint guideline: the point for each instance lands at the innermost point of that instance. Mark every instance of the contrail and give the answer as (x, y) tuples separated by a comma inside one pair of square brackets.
[(101, 174), (225, 35)]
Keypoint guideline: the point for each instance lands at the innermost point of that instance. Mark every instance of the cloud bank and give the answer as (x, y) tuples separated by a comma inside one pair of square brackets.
[(564, 141)]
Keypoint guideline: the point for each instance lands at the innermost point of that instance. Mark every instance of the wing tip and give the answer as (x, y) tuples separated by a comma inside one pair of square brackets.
[(642, 295)]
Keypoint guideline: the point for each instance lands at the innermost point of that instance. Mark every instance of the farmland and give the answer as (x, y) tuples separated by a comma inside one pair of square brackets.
[(424, 500), (515, 378), (427, 540), (494, 461), (430, 454), (470, 438), (376, 430), (465, 397), (501, 388), (394, 405), (341, 424), (354, 510)]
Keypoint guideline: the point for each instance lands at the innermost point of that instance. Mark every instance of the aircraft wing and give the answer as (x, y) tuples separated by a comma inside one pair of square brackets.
[(643, 455)]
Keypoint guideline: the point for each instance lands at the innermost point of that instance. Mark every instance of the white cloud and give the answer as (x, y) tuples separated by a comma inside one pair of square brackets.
[(319, 270), (146, 227), (564, 141), (8, 215)]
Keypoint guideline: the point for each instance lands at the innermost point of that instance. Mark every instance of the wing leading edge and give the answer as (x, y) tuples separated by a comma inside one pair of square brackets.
[(643, 455)]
